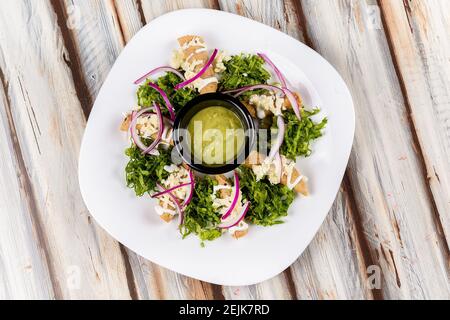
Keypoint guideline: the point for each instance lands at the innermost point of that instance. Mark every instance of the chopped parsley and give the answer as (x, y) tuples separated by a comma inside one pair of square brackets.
[(200, 217), (144, 171), (300, 133), (269, 202), (243, 70)]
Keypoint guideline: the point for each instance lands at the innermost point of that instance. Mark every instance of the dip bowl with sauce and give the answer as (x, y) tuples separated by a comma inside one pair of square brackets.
[(214, 133)]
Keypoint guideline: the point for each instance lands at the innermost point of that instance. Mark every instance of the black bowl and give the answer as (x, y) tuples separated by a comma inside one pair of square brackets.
[(195, 105)]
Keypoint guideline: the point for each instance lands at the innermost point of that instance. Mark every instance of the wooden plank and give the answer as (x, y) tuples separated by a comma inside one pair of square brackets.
[(45, 114), (24, 273), (131, 17), (419, 36), (395, 211), (333, 266), (155, 8)]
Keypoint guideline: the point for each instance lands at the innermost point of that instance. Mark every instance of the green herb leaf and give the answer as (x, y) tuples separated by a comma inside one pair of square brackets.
[(300, 133), (146, 95), (144, 171), (243, 70), (200, 217)]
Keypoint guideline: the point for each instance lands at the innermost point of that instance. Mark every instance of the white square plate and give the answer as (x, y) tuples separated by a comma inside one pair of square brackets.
[(264, 252)]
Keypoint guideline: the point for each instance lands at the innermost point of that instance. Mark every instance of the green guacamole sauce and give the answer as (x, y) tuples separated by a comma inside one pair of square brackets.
[(217, 135)]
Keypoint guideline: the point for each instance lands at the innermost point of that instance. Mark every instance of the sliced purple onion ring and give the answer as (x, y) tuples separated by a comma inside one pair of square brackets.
[(199, 74), (235, 198), (278, 166), (191, 191), (165, 98), (159, 194), (235, 220), (175, 201), (158, 70), (275, 69), (134, 135), (288, 93), (280, 137)]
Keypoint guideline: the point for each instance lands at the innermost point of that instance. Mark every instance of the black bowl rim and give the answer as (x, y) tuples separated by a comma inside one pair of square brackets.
[(220, 169)]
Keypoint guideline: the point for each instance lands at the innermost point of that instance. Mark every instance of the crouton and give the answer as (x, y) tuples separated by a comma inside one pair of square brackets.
[(239, 233)]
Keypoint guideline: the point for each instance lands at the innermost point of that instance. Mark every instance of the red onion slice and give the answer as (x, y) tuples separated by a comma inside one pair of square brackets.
[(165, 98), (236, 196), (175, 201), (275, 69), (280, 137), (288, 93), (159, 194), (241, 90), (235, 220), (191, 191), (199, 74), (134, 135), (278, 166), (157, 70)]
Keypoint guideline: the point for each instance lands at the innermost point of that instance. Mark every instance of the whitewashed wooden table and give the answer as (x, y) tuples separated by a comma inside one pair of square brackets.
[(391, 217)]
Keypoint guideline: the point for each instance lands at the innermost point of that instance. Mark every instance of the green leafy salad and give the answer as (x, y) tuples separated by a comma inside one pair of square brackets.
[(261, 190)]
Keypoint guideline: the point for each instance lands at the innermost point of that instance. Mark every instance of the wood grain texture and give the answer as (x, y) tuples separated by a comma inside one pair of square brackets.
[(396, 216), (332, 267), (393, 209), (419, 36), (45, 125), (23, 265)]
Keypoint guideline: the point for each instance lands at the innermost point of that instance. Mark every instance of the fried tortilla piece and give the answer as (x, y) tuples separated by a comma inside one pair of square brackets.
[(300, 187), (222, 180), (250, 108), (125, 125), (240, 233), (167, 217), (256, 158), (195, 52)]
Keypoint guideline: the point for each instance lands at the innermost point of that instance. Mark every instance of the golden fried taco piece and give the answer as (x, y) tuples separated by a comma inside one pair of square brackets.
[(194, 50), (167, 217), (240, 233), (222, 180), (301, 187), (125, 125)]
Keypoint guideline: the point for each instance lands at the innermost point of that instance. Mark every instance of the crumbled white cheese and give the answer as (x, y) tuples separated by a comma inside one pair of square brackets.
[(177, 59), (268, 169), (242, 226), (178, 175), (261, 170), (267, 103), (148, 125), (219, 65)]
